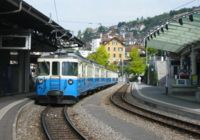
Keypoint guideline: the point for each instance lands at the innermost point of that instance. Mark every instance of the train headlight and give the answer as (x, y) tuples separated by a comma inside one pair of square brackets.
[(70, 81), (40, 81)]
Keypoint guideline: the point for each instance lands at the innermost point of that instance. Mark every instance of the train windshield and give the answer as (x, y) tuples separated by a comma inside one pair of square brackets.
[(55, 68), (70, 68), (43, 68)]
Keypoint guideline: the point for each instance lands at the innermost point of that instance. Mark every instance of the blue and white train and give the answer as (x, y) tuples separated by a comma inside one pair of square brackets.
[(63, 78)]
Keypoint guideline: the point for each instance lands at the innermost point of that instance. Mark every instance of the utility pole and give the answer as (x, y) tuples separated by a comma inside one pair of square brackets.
[(147, 63), (122, 65)]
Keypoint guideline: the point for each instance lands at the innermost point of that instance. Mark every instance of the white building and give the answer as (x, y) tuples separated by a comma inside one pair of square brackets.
[(95, 44), (85, 53)]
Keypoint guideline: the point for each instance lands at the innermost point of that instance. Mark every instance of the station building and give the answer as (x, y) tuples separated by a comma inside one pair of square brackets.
[(179, 37), (23, 32)]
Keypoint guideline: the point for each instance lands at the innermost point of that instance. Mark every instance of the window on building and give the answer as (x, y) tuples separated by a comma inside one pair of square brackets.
[(114, 42), (115, 62), (120, 55), (114, 49), (108, 48), (114, 55), (120, 49)]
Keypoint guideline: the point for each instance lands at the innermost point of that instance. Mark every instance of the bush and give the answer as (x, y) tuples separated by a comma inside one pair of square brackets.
[(153, 78)]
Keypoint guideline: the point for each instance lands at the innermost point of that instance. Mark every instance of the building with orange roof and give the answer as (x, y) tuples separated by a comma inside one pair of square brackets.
[(115, 48)]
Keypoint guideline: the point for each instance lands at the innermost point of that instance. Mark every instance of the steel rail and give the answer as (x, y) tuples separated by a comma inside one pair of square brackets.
[(118, 99), (57, 125), (69, 122)]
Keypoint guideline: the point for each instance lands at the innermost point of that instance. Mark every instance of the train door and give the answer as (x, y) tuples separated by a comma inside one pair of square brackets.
[(55, 79), (80, 76), (84, 75), (96, 76)]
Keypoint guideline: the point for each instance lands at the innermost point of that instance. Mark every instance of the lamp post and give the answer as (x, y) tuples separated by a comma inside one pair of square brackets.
[(146, 58), (122, 65), (148, 74)]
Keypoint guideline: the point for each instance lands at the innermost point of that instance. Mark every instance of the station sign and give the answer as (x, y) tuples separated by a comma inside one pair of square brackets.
[(15, 40)]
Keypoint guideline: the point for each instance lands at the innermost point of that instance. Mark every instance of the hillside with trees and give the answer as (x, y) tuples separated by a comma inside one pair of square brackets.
[(139, 27)]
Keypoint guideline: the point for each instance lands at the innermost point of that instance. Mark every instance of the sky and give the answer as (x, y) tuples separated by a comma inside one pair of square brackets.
[(77, 15)]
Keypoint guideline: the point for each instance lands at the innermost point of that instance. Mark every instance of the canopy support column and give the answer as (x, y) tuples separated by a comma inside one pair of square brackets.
[(193, 62)]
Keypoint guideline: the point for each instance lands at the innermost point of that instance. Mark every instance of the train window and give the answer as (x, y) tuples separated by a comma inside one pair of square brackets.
[(55, 68), (84, 70), (96, 72), (102, 73), (89, 71), (70, 68), (80, 70), (43, 68)]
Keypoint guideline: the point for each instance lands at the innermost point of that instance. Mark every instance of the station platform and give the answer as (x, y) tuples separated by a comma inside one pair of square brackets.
[(156, 97)]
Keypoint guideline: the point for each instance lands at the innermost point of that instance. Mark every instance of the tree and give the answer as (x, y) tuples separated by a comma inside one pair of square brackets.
[(120, 24), (137, 64), (102, 29), (112, 67), (79, 34), (152, 51), (92, 56), (100, 56), (88, 34)]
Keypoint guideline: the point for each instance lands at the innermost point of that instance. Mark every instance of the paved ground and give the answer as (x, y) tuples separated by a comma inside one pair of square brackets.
[(9, 107), (157, 95), (128, 130)]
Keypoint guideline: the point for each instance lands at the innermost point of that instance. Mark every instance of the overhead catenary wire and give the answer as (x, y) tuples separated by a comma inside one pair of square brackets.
[(185, 4), (56, 11), (165, 21)]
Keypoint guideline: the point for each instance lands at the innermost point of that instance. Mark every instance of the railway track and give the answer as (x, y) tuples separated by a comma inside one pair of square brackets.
[(57, 125), (119, 100)]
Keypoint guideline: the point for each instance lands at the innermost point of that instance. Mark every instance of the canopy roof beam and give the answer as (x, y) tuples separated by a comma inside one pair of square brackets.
[(162, 45), (178, 33)]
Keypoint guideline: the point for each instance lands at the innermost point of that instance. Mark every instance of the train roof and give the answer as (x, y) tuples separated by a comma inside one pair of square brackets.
[(72, 55)]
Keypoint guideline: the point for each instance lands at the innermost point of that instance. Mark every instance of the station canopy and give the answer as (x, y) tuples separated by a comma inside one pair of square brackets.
[(177, 34), (17, 15)]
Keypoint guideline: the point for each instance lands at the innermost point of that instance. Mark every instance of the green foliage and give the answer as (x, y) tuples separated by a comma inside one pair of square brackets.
[(112, 67), (173, 12), (149, 23), (102, 29), (88, 34), (152, 51), (120, 24), (134, 54), (127, 70), (92, 56), (153, 77), (100, 56), (79, 34), (137, 64)]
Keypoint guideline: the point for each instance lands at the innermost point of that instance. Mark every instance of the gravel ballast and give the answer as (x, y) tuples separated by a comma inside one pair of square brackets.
[(28, 126)]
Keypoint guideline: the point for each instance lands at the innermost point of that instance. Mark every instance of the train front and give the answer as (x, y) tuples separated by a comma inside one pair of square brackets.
[(57, 81)]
